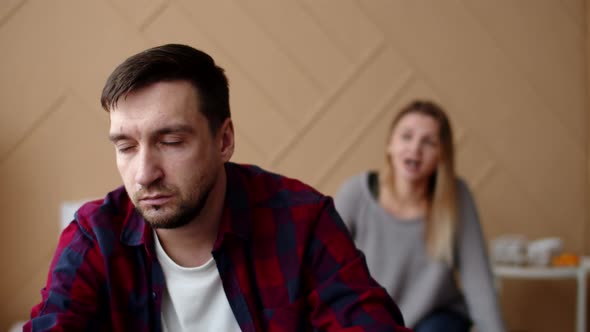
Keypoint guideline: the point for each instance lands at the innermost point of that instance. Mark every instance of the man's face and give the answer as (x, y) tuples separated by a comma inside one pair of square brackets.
[(166, 155)]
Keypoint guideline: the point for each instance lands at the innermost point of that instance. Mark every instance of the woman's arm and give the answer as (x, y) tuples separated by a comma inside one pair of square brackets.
[(474, 267)]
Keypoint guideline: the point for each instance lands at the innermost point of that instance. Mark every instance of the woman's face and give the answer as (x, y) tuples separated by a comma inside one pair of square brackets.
[(415, 147)]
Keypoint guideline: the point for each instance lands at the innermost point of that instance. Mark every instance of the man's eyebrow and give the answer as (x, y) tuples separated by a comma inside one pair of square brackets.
[(183, 128), (117, 137), (160, 132)]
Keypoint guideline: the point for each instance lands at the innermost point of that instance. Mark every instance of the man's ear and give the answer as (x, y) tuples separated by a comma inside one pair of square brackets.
[(226, 139)]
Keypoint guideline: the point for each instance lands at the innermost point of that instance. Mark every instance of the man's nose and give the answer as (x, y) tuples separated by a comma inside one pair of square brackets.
[(148, 168)]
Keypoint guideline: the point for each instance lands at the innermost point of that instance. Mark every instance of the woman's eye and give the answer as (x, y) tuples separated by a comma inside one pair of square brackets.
[(430, 142)]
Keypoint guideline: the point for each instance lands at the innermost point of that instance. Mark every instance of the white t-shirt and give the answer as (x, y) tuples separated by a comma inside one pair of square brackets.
[(193, 299)]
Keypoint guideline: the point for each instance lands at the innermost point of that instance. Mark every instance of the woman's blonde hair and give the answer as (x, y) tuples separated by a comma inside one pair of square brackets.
[(441, 214)]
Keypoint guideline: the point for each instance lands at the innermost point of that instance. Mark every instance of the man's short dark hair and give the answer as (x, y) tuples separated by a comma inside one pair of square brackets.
[(172, 62)]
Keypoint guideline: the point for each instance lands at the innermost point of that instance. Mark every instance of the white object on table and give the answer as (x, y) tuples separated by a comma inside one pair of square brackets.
[(539, 252), (532, 272), (509, 249)]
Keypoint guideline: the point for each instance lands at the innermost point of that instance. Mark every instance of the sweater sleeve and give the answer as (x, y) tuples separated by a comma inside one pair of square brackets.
[(347, 201), (474, 267)]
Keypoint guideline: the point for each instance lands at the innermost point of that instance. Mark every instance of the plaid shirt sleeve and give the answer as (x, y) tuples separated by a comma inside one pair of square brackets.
[(69, 299), (344, 296)]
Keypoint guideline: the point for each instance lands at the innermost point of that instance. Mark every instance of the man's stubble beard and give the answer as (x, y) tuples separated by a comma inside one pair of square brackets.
[(187, 210)]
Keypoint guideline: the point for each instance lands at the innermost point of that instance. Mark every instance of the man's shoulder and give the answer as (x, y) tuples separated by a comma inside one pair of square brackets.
[(267, 187)]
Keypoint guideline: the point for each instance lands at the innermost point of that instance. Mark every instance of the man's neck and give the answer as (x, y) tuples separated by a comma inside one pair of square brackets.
[(191, 244)]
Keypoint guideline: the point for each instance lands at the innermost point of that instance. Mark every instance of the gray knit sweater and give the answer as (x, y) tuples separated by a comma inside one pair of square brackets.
[(397, 258)]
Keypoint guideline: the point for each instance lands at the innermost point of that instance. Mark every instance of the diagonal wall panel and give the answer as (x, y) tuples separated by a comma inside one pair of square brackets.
[(527, 37), (576, 9), (353, 32), (139, 12), (26, 93), (8, 9), (310, 47), (88, 48), (265, 62)]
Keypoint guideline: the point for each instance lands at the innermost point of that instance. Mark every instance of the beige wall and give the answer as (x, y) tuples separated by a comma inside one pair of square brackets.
[(314, 85)]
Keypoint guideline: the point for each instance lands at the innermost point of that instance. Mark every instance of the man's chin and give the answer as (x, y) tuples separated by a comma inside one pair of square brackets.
[(158, 218), (163, 223), (165, 219)]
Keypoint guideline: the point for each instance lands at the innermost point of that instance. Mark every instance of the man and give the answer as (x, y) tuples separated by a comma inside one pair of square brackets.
[(193, 242)]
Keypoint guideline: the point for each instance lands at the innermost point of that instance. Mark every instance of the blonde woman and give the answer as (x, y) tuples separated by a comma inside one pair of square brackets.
[(418, 226)]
